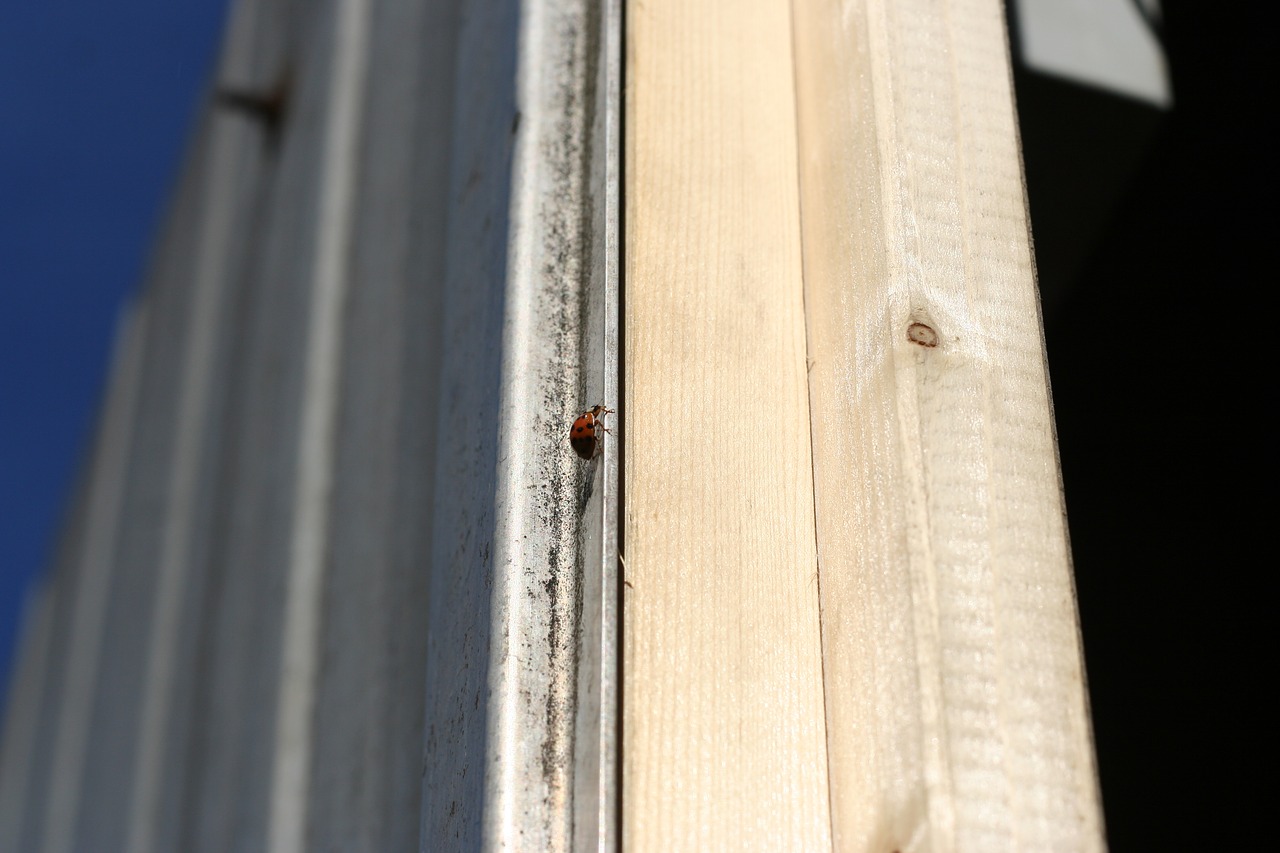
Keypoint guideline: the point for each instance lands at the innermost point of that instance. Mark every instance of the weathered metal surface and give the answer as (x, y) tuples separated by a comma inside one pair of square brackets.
[(518, 651), (388, 284)]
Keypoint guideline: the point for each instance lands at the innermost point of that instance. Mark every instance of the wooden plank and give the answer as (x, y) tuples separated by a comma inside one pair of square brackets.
[(722, 710), (956, 712)]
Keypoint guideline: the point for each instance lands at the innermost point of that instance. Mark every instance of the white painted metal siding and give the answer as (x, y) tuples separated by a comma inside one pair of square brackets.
[(335, 579)]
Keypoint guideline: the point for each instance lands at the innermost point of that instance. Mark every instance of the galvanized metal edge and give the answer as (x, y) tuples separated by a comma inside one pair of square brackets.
[(521, 708), (596, 800)]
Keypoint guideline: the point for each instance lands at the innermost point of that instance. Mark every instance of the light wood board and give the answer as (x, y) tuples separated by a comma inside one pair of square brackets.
[(723, 735), (954, 685), (948, 684)]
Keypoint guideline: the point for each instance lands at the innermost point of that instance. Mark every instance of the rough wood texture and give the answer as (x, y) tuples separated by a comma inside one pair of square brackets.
[(722, 712), (954, 686)]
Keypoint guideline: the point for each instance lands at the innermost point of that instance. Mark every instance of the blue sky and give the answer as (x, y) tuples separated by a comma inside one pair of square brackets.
[(96, 102)]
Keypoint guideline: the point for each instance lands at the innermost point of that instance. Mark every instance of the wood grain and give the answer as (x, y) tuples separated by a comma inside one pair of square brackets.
[(724, 742), (955, 702)]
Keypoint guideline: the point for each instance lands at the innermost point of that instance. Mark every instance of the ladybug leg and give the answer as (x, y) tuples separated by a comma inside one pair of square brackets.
[(600, 421)]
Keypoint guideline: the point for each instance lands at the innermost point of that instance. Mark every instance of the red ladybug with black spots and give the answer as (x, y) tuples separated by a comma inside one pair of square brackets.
[(584, 435)]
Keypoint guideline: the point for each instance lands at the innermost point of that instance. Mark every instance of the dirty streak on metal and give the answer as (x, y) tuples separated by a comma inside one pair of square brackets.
[(520, 741)]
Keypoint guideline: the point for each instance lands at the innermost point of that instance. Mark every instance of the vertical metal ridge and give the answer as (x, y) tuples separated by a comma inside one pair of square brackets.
[(191, 428), (21, 718), (608, 804), (307, 553), (97, 562), (522, 601), (273, 446)]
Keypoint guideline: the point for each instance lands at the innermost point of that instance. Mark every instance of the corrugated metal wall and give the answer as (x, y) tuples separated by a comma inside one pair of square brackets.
[(334, 579)]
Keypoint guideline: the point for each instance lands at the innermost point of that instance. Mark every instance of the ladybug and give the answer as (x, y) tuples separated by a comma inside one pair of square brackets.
[(584, 435)]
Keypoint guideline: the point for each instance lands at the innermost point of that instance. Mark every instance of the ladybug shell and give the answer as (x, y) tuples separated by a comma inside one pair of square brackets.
[(582, 435)]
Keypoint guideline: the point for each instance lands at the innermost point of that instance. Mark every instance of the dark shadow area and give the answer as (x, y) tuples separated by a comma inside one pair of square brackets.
[(1152, 279)]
